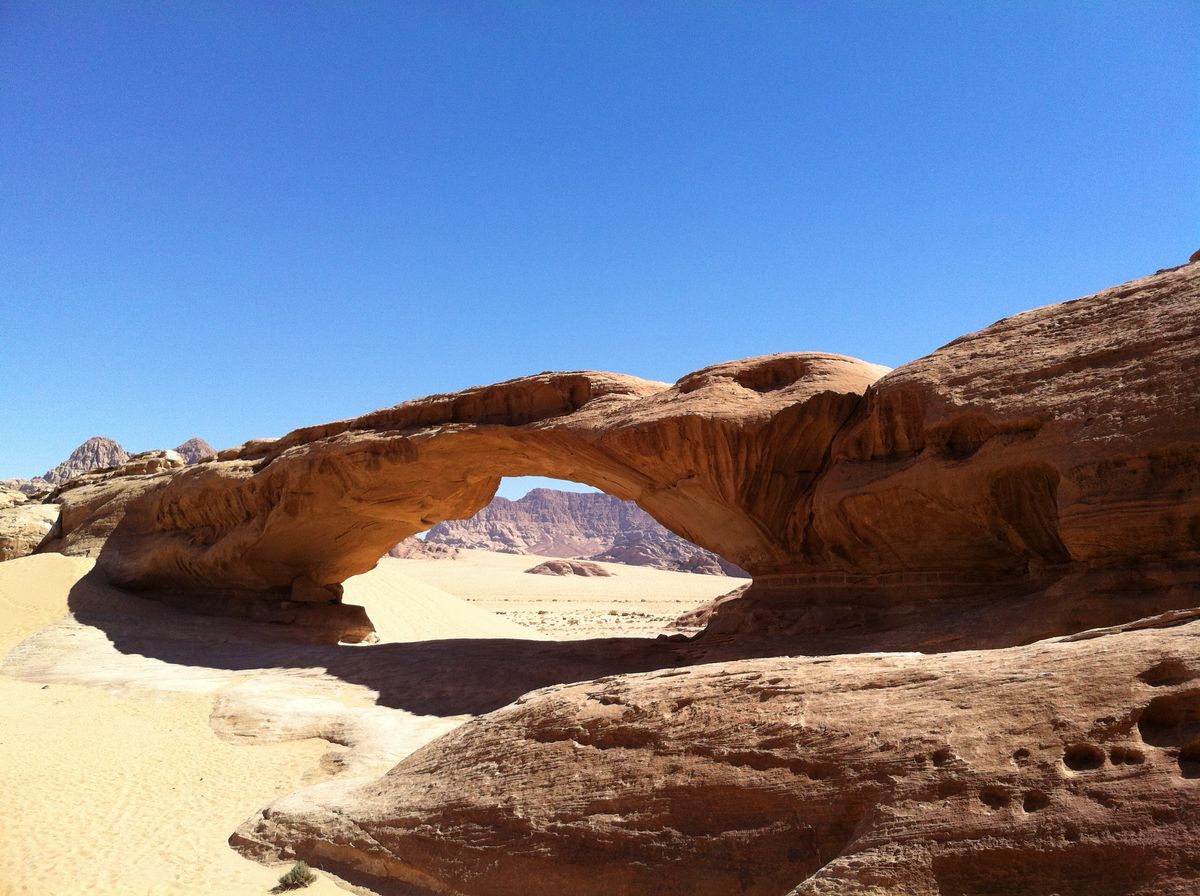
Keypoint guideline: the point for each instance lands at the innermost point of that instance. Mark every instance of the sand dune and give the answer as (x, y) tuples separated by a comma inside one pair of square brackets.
[(408, 608)]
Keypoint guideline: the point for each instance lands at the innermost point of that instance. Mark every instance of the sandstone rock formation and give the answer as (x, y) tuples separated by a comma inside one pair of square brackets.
[(595, 526), (1038, 477), (195, 450), (1049, 460), (324, 503), (569, 568), (24, 524), (28, 487), (1069, 767), (11, 497)]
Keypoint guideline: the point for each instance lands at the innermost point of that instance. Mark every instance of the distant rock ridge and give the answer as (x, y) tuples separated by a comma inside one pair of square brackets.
[(578, 525), (195, 450), (99, 453)]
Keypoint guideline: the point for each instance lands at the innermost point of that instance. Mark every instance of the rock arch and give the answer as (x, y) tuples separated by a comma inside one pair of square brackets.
[(1040, 474), (725, 457)]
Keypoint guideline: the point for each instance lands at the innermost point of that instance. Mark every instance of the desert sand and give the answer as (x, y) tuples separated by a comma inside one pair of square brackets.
[(126, 772), (632, 601), (117, 782)]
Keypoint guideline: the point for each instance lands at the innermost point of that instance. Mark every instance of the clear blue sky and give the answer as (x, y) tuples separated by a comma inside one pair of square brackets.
[(231, 220)]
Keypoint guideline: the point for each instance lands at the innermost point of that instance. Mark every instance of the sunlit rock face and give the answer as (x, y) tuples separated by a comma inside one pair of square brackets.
[(709, 457), (1068, 767), (1051, 457)]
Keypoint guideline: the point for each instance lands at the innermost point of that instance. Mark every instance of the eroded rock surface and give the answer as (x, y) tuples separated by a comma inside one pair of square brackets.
[(708, 456), (1068, 767), (23, 525)]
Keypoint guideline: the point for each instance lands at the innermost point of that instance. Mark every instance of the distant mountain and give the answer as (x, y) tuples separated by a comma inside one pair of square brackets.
[(195, 450), (577, 525), (96, 453)]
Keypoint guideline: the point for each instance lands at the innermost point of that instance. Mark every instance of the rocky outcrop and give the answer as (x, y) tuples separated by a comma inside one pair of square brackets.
[(11, 497), (23, 524), (1068, 767), (1049, 461), (26, 523), (569, 568), (594, 526), (658, 548), (100, 453), (195, 450), (1056, 452), (96, 453), (413, 548), (547, 522)]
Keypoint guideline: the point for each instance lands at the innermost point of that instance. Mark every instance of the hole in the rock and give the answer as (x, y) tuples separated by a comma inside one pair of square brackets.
[(961, 437), (1189, 760), (1083, 757), (1171, 720), (1126, 756), (942, 756), (1170, 671), (1021, 755), (1035, 801), (994, 797)]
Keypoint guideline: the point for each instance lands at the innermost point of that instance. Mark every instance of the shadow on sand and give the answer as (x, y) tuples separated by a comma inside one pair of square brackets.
[(441, 678)]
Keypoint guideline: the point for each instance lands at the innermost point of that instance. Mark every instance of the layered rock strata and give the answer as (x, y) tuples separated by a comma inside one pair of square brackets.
[(1069, 767)]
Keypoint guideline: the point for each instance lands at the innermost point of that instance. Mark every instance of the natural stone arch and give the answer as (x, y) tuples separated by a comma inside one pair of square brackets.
[(1034, 478), (725, 458)]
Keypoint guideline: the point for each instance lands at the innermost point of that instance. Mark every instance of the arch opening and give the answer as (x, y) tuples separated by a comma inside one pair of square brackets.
[(565, 519), (568, 561)]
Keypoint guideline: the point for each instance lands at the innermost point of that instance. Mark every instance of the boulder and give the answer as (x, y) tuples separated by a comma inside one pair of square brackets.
[(569, 568)]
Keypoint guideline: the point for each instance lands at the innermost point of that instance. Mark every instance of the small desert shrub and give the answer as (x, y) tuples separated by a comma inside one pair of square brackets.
[(299, 876)]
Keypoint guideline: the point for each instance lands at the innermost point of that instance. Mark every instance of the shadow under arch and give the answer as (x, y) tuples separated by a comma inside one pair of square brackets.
[(446, 677)]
